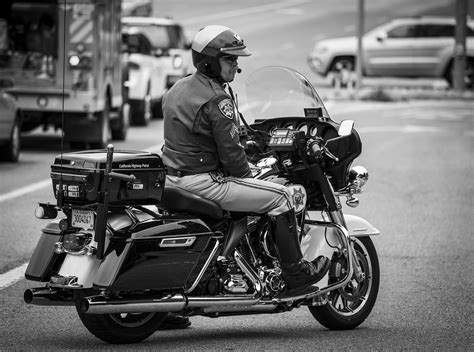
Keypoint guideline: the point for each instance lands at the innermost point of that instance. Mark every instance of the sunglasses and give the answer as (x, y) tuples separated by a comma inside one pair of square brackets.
[(230, 58)]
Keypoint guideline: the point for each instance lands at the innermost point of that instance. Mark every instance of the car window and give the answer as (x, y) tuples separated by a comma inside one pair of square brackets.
[(164, 36), (403, 31), (137, 43), (470, 32), (436, 30)]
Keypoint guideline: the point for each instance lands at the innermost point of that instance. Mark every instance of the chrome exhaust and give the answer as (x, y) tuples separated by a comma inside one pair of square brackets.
[(102, 305), (171, 303), (44, 296)]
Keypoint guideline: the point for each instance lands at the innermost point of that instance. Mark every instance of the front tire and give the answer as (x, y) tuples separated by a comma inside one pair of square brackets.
[(350, 305)]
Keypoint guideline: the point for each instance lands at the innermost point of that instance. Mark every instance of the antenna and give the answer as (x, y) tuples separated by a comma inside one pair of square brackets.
[(60, 201)]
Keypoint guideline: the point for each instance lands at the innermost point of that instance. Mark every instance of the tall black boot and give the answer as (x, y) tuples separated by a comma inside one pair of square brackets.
[(298, 273)]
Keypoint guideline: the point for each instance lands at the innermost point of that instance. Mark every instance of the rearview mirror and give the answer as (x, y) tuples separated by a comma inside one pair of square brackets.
[(345, 128)]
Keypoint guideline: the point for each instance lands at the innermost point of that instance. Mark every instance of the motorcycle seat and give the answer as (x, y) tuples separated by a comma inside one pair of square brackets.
[(179, 200)]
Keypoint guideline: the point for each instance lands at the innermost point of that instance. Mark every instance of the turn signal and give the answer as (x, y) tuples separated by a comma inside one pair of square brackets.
[(46, 211)]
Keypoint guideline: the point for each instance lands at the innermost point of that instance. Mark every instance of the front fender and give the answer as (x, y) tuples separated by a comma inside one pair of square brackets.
[(356, 225)]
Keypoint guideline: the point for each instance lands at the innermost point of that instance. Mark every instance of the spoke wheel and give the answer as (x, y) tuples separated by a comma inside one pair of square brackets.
[(350, 305)]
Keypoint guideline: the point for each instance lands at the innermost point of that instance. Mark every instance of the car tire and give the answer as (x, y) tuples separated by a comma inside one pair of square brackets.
[(11, 151), (347, 62), (469, 74)]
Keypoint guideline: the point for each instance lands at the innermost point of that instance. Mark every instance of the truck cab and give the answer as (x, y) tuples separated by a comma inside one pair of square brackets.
[(61, 62)]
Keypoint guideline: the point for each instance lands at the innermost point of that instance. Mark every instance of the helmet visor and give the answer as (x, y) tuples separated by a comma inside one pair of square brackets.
[(240, 50)]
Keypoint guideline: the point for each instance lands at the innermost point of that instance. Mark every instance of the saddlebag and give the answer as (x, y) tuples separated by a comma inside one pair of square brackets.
[(161, 254), (45, 261), (83, 174)]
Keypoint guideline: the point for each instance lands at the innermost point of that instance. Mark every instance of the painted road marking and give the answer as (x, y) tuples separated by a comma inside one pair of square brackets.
[(10, 277)]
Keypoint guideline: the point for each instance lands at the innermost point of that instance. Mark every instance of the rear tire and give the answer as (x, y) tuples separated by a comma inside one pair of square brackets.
[(120, 328), (469, 74), (350, 305), (140, 111), (343, 62), (104, 123), (11, 151), (119, 132)]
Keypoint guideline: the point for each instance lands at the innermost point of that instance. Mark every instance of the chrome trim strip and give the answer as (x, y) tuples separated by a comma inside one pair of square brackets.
[(204, 268), (173, 242)]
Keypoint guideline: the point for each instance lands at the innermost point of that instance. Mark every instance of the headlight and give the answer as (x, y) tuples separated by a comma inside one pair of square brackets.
[(177, 62), (358, 176)]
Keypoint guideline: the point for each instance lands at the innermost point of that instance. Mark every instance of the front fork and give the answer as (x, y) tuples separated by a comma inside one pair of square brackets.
[(337, 217)]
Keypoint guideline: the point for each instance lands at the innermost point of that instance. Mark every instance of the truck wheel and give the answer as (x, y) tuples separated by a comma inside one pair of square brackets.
[(157, 110), (104, 125), (140, 110), (11, 151), (119, 132)]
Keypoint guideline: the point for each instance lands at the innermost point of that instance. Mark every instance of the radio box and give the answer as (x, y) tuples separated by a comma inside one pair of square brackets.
[(83, 177)]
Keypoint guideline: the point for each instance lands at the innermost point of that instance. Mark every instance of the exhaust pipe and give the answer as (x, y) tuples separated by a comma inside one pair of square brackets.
[(43, 296), (171, 303), (102, 305)]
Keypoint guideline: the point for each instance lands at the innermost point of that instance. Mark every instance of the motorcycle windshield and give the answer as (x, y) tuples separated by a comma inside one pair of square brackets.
[(276, 91)]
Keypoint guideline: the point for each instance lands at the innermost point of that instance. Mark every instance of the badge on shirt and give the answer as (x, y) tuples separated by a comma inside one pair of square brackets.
[(227, 108)]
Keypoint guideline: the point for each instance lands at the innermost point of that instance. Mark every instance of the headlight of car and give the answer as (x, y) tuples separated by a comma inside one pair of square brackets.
[(177, 61)]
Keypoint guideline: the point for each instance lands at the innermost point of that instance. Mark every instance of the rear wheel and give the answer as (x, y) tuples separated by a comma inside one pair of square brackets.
[(140, 111), (104, 125), (342, 69), (11, 150), (119, 131), (350, 305), (468, 76), (121, 328)]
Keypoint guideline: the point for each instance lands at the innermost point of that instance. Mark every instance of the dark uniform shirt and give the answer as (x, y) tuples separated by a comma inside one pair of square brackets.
[(201, 128)]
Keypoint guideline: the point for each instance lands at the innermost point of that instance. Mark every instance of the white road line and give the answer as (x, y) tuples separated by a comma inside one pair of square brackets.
[(12, 276), (25, 190)]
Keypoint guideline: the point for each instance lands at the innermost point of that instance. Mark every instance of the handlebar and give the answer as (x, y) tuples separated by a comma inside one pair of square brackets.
[(317, 148)]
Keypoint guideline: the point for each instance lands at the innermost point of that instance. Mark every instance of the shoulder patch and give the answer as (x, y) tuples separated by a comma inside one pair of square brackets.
[(226, 108)]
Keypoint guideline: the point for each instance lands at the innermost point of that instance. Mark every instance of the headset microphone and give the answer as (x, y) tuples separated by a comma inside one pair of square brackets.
[(239, 70)]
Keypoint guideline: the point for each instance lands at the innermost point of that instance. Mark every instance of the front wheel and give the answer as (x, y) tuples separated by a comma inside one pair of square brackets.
[(350, 305)]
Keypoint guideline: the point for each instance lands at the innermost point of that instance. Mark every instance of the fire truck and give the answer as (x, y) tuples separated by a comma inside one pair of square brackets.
[(61, 60)]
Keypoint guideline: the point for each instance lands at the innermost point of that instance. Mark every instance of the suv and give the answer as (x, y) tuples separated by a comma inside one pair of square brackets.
[(155, 55), (404, 47), (10, 126)]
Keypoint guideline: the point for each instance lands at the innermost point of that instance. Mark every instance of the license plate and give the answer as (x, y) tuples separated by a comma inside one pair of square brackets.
[(83, 219)]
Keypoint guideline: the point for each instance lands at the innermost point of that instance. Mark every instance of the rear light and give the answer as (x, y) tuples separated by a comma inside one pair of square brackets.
[(75, 243)]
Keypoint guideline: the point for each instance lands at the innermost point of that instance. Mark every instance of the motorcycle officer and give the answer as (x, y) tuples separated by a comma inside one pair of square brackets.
[(203, 153)]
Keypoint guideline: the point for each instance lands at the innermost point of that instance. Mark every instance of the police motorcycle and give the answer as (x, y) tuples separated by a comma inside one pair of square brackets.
[(127, 250)]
